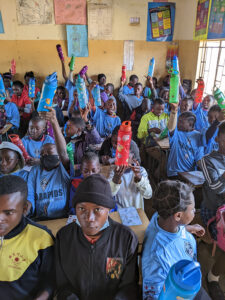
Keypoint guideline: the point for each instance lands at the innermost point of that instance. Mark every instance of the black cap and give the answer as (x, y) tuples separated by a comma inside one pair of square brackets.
[(94, 189)]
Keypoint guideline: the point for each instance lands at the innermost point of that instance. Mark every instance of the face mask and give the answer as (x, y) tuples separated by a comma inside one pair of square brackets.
[(49, 162), (54, 105), (103, 227), (75, 136)]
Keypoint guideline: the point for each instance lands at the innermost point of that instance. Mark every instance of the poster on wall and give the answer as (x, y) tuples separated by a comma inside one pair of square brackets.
[(1, 24), (34, 12), (70, 12), (128, 55), (77, 40), (202, 19), (160, 24), (216, 29)]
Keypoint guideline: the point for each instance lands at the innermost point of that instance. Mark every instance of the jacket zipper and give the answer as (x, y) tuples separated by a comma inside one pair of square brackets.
[(92, 269), (1, 243)]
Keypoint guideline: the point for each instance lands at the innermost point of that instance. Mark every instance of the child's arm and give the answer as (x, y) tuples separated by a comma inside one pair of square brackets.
[(172, 122), (212, 129), (121, 95), (195, 229), (115, 178), (64, 71), (141, 181), (151, 85)]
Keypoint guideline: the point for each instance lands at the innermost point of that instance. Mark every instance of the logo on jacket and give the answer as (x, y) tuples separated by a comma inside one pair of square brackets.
[(114, 267), (16, 259), (189, 249), (44, 182)]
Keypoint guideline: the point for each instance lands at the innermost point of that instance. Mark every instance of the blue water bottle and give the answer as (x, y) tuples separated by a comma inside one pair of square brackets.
[(81, 92), (175, 64), (2, 89), (32, 88), (151, 67), (97, 95), (183, 281), (48, 91)]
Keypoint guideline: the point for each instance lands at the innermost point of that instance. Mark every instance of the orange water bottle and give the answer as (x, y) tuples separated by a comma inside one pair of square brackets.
[(123, 144), (200, 90), (17, 141), (123, 72)]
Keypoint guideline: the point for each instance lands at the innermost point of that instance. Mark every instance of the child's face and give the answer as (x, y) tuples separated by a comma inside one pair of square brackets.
[(133, 82), (166, 95), (110, 106), (90, 167), (8, 161), (207, 103), (114, 141), (27, 79), (12, 207), (36, 129), (7, 82), (138, 90), (158, 109), (72, 129), (188, 215), (186, 105), (108, 89), (193, 93), (102, 81), (60, 93), (184, 124), (17, 90), (212, 116), (146, 105)]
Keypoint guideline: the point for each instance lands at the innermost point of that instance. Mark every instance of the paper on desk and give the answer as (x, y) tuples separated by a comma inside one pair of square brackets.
[(129, 216)]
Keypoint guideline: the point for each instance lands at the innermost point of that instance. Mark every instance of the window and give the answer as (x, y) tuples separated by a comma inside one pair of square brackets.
[(211, 65)]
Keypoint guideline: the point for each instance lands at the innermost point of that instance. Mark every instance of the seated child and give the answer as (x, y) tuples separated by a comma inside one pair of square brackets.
[(61, 98), (168, 238), (27, 269), (130, 185), (186, 104), (12, 161), (150, 91), (213, 168), (201, 112), (109, 89), (27, 77), (35, 139), (7, 79), (129, 88), (48, 186), (186, 144), (12, 117)]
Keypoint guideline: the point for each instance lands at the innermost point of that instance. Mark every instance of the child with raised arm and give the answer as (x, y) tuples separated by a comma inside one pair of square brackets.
[(129, 88), (201, 112), (168, 238)]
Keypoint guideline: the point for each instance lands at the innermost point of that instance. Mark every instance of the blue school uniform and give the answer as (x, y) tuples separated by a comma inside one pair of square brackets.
[(12, 114), (33, 148), (21, 173), (48, 192), (212, 145), (105, 123), (161, 250), (201, 118), (186, 148), (128, 90)]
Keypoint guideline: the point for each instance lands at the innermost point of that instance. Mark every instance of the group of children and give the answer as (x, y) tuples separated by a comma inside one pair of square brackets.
[(64, 178)]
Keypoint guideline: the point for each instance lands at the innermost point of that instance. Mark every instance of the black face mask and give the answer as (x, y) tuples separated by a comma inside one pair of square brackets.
[(49, 162)]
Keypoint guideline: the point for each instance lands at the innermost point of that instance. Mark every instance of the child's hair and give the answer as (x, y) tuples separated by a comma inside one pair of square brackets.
[(7, 75), (188, 98), (221, 128), (18, 84), (36, 118), (138, 84), (162, 92), (75, 114), (78, 122), (211, 97), (110, 85), (159, 101), (170, 197), (89, 156), (215, 108), (100, 76), (61, 88), (10, 184), (190, 116), (132, 77), (29, 74)]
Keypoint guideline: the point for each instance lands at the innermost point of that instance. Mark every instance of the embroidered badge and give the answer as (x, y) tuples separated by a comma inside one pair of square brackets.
[(114, 267), (189, 249), (44, 182), (16, 259)]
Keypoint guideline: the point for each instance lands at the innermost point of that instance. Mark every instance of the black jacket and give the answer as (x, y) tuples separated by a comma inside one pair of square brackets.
[(104, 270)]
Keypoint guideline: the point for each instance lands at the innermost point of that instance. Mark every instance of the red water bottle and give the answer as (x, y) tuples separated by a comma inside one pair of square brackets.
[(200, 90), (123, 144), (13, 67), (17, 141), (123, 72)]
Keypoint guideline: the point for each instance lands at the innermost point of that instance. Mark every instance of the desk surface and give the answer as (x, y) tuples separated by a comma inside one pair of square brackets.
[(196, 178), (164, 143), (55, 225)]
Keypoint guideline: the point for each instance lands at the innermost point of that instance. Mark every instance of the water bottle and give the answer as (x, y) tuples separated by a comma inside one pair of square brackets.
[(97, 96), (72, 63), (220, 98), (183, 281), (60, 53), (81, 92), (18, 142), (50, 131), (174, 88), (199, 91), (123, 144), (175, 64), (48, 91), (123, 77), (2, 89), (32, 88), (151, 67), (13, 67), (83, 71), (70, 152)]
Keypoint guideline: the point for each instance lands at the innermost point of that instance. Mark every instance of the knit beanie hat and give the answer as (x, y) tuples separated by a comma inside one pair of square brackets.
[(94, 189)]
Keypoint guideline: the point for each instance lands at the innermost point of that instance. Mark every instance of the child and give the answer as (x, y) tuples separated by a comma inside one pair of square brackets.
[(27, 77), (149, 90), (48, 186), (27, 268), (12, 161), (7, 79), (61, 98), (129, 88), (186, 144), (186, 104), (201, 112), (109, 89), (101, 81), (106, 120), (35, 139), (12, 116), (213, 168), (130, 185), (58, 110), (168, 238)]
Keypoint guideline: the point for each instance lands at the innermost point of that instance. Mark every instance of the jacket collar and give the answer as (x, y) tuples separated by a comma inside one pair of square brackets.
[(18, 229)]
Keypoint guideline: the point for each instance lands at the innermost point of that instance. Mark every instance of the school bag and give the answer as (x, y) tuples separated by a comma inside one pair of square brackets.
[(220, 226)]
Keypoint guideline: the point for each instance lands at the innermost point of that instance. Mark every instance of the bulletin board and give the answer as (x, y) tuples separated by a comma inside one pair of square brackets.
[(216, 29), (202, 19), (160, 25)]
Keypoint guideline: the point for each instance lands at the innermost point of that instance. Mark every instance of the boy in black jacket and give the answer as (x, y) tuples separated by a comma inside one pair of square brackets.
[(96, 258)]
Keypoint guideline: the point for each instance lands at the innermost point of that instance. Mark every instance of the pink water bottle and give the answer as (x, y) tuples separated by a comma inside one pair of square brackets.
[(18, 142), (123, 73), (123, 144)]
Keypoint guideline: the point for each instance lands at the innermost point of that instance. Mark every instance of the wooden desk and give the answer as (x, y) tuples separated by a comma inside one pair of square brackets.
[(65, 113), (55, 225), (195, 178), (164, 144)]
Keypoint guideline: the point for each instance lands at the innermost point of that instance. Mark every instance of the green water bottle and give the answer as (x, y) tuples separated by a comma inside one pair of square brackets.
[(163, 134), (69, 149), (174, 88), (72, 63), (220, 98)]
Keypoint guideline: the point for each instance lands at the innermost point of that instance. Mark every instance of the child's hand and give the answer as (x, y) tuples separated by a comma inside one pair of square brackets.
[(84, 112), (48, 115), (174, 107), (105, 160), (118, 173), (154, 130), (33, 161), (137, 171), (150, 81), (123, 81), (92, 85), (196, 229)]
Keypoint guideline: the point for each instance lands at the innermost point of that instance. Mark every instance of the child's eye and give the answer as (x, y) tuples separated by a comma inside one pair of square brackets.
[(81, 209), (98, 209), (9, 213)]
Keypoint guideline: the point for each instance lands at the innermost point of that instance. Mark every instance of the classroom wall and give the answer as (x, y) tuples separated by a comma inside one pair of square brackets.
[(33, 47)]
